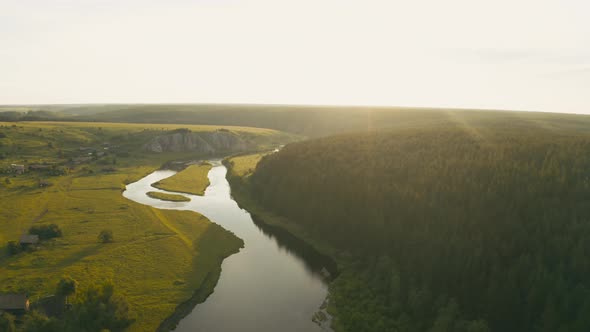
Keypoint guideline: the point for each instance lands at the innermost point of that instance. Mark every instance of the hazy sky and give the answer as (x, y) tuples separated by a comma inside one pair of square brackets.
[(507, 54)]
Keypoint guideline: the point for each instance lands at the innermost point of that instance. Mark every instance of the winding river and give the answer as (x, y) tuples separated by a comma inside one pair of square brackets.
[(273, 284)]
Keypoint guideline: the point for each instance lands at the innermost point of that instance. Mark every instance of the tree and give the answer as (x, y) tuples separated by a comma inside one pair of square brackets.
[(66, 287), (37, 322), (100, 308), (13, 248), (46, 232), (106, 236), (7, 322)]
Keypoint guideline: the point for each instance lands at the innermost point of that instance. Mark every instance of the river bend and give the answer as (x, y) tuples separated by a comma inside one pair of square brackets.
[(273, 284)]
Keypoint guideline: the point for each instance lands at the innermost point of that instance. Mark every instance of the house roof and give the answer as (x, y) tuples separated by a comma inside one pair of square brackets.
[(29, 239), (13, 301)]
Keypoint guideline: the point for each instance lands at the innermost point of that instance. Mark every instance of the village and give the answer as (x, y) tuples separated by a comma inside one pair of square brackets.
[(18, 304), (84, 155)]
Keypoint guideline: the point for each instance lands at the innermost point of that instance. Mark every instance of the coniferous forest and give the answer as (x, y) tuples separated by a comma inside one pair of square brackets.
[(446, 228)]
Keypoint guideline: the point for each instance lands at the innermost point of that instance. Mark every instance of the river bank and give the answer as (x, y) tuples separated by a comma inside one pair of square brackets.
[(271, 284), (266, 219)]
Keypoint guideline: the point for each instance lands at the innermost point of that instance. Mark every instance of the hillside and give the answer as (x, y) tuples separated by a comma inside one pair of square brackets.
[(311, 121), (55, 141), (445, 228)]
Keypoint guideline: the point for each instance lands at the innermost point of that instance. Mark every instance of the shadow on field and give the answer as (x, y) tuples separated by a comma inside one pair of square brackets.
[(79, 255)]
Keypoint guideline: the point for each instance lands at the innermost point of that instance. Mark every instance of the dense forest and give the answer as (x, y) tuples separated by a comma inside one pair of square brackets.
[(446, 228)]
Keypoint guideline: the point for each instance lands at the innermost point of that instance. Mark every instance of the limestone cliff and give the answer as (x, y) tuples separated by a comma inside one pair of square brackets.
[(205, 142)]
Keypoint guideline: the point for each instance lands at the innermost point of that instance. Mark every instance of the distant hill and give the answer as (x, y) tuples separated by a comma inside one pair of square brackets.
[(311, 121)]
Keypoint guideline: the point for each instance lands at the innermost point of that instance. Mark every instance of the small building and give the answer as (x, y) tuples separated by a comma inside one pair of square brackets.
[(28, 240), (16, 304), (39, 167), (18, 169), (80, 160), (44, 183)]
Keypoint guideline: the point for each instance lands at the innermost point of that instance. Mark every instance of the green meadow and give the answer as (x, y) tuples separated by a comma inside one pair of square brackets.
[(244, 165), (158, 259), (182, 247), (191, 180)]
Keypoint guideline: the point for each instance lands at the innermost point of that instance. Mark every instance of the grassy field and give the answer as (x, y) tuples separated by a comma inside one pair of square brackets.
[(185, 249), (168, 197), (191, 180), (136, 127), (244, 165)]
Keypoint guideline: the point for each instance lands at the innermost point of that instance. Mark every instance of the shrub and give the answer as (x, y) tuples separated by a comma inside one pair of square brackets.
[(13, 248), (46, 231), (122, 154), (66, 287), (106, 236), (7, 322)]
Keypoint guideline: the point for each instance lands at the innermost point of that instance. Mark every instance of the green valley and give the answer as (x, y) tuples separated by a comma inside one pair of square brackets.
[(71, 175)]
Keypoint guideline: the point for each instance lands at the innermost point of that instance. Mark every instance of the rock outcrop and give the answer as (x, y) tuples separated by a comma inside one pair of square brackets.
[(204, 142)]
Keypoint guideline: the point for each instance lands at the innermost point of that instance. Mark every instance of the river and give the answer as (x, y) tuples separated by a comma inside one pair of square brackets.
[(273, 284)]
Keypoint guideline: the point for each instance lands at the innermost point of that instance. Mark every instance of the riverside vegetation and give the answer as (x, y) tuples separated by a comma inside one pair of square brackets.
[(76, 172), (168, 197), (440, 228)]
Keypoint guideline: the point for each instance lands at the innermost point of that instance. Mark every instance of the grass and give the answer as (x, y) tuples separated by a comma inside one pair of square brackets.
[(191, 180), (168, 197), (135, 127), (184, 248), (244, 165)]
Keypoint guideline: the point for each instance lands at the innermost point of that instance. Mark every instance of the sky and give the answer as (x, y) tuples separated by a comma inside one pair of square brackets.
[(497, 54)]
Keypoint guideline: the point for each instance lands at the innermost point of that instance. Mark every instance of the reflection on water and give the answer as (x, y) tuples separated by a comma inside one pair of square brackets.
[(275, 283), (315, 263)]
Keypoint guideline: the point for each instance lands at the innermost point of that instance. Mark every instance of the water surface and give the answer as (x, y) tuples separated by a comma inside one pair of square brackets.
[(273, 284)]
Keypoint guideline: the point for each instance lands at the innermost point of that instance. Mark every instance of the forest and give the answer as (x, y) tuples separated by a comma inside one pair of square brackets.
[(445, 228)]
